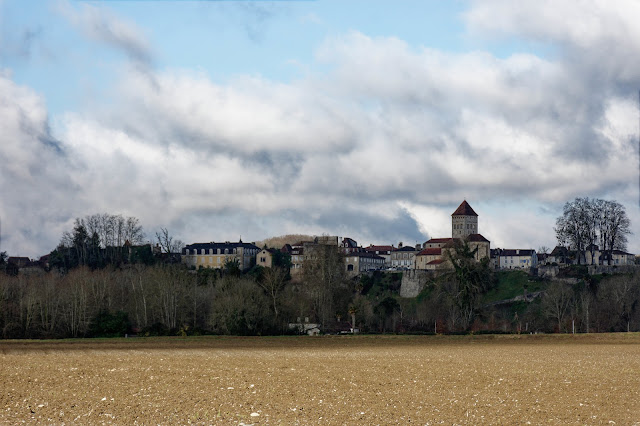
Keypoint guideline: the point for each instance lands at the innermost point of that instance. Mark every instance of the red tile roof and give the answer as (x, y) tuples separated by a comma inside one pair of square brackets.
[(439, 240), (477, 238), (430, 252), (464, 209)]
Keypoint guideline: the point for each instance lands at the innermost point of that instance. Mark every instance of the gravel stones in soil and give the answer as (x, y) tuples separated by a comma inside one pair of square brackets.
[(585, 379)]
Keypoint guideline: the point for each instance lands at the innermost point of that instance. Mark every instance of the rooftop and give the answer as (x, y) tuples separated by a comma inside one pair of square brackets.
[(464, 209)]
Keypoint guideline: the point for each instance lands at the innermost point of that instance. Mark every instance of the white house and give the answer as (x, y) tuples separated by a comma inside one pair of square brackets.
[(517, 259)]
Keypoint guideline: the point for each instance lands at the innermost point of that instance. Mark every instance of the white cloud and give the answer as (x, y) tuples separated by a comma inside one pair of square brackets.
[(35, 173), (381, 147)]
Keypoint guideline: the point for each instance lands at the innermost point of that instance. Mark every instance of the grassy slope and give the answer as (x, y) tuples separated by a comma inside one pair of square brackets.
[(511, 284)]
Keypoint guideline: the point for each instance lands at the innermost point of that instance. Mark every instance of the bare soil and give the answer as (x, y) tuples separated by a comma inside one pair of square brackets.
[(582, 379)]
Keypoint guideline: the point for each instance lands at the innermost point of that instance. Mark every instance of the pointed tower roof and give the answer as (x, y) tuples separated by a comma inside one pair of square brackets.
[(464, 209)]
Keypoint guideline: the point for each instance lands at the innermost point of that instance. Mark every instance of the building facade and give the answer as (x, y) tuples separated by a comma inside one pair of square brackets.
[(215, 255), (362, 261), (517, 259), (264, 258), (382, 251), (464, 221), (403, 257), (464, 228)]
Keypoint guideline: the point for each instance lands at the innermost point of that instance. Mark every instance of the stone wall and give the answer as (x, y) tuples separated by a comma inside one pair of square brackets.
[(612, 269), (413, 282), (548, 271)]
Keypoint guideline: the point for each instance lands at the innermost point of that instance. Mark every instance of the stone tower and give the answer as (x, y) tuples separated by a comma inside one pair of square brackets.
[(464, 221)]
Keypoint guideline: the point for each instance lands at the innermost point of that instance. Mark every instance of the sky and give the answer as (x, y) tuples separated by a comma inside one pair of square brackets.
[(368, 119)]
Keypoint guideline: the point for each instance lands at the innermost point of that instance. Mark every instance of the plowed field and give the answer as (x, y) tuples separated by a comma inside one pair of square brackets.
[(582, 379)]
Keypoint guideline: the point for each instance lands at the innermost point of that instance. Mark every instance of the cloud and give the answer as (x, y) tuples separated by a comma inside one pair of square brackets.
[(36, 174), (24, 45), (584, 33), (101, 25), (373, 148), (388, 125)]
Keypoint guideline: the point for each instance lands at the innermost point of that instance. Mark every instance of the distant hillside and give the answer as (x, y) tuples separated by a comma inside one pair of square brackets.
[(278, 242)]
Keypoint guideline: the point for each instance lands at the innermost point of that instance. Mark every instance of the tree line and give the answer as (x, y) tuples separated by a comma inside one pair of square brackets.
[(98, 288), (170, 299)]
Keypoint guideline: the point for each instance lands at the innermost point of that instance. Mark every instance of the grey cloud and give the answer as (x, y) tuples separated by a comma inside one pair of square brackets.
[(368, 226), (23, 44), (37, 177), (258, 15), (28, 39), (101, 25), (255, 17), (365, 227)]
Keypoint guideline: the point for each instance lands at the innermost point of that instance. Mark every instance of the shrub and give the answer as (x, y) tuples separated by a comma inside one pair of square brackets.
[(106, 324)]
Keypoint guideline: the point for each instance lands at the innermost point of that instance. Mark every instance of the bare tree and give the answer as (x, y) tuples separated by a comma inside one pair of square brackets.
[(572, 227), (239, 307), (620, 300), (139, 294), (586, 221), (75, 296), (167, 243), (324, 274), (49, 303), (614, 228), (593, 217), (544, 250), (272, 282), (133, 231), (556, 302)]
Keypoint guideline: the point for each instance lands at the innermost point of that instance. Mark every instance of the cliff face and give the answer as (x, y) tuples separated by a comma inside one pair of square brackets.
[(413, 282)]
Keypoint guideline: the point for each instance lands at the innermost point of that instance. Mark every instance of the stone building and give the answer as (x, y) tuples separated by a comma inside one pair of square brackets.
[(403, 257), (464, 227), (464, 221), (264, 258), (361, 261), (383, 251), (215, 255)]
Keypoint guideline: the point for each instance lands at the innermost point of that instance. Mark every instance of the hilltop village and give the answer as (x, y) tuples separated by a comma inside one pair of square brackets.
[(98, 283), (432, 255)]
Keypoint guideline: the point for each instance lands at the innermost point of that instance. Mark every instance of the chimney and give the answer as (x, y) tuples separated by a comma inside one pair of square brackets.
[(400, 244)]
